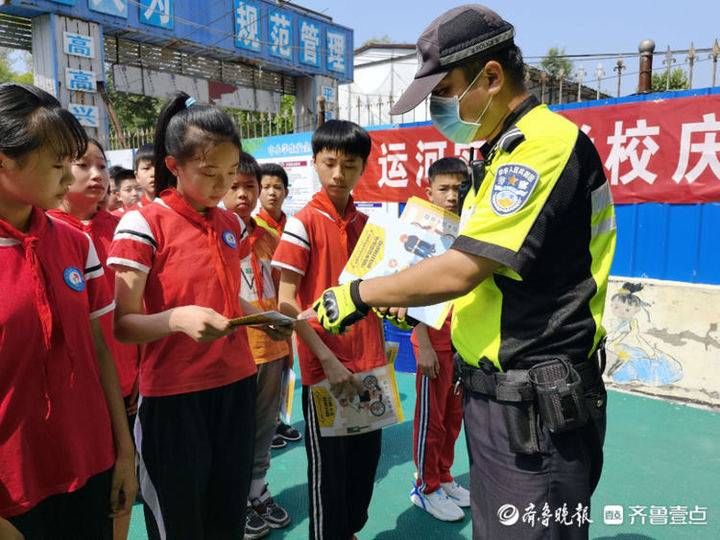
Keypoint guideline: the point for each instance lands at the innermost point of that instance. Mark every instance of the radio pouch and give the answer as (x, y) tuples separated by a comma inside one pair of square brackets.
[(560, 395), (515, 393)]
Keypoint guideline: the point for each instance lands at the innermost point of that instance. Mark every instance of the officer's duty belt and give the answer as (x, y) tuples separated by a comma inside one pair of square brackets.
[(514, 384)]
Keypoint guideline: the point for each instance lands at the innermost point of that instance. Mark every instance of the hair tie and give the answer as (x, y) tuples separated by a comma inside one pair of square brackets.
[(189, 102)]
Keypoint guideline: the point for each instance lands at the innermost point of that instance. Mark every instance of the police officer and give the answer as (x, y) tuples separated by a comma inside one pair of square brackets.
[(528, 275)]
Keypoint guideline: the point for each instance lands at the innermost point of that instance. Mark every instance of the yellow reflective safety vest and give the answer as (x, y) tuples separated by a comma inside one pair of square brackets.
[(544, 212)]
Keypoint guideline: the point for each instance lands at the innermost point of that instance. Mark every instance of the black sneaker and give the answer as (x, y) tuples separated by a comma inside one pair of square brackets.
[(255, 525), (288, 433), (278, 442), (272, 513)]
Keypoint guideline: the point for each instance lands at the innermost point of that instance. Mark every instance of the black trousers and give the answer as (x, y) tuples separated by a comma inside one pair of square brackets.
[(80, 515), (196, 455), (543, 495), (341, 477)]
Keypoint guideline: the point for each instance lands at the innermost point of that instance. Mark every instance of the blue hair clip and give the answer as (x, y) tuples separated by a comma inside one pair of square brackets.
[(189, 102)]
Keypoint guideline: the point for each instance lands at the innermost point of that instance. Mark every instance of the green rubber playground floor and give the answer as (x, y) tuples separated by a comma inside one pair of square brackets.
[(658, 455)]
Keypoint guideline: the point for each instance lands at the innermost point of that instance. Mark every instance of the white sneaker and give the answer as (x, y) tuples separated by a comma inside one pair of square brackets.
[(456, 493), (437, 504)]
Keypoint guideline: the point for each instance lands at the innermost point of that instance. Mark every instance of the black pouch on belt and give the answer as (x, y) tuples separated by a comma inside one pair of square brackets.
[(516, 394), (560, 395)]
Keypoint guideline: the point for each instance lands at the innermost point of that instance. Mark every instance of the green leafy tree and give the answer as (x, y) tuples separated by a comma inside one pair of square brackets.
[(26, 78), (556, 62), (374, 40), (8, 73), (134, 111), (678, 80)]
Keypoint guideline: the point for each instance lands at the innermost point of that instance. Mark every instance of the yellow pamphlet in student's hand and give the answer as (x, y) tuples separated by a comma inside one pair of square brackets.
[(265, 318)]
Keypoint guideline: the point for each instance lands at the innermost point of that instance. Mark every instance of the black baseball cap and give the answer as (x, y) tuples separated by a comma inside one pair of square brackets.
[(453, 37)]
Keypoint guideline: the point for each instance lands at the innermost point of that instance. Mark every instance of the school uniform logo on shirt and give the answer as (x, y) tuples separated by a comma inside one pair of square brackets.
[(229, 239), (74, 279), (512, 188)]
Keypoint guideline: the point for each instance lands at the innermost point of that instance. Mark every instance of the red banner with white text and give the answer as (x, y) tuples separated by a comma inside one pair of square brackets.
[(666, 150)]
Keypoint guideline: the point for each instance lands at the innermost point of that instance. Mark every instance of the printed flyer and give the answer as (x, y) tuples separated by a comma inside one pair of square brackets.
[(377, 406), (389, 245)]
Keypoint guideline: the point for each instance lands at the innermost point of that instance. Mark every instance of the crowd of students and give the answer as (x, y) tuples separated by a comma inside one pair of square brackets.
[(119, 287)]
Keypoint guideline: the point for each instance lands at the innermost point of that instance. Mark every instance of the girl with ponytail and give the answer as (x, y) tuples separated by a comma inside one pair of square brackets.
[(177, 288)]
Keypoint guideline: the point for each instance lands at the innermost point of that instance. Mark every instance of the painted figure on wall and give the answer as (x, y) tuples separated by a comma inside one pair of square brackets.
[(635, 358)]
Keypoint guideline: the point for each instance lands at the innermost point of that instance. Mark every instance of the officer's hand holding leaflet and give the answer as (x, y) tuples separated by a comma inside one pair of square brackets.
[(397, 317), (340, 307)]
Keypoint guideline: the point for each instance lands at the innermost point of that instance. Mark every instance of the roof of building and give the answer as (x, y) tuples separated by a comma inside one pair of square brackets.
[(373, 45)]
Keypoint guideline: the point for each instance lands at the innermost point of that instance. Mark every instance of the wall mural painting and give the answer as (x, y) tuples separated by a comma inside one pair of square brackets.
[(663, 339)]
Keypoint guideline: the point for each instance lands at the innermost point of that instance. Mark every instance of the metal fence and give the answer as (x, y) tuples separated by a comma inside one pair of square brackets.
[(252, 124), (129, 139), (249, 125), (593, 77)]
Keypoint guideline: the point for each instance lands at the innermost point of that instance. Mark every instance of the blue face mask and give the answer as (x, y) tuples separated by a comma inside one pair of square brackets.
[(445, 114)]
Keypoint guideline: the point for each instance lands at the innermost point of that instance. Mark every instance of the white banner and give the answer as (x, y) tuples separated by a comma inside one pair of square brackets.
[(302, 179)]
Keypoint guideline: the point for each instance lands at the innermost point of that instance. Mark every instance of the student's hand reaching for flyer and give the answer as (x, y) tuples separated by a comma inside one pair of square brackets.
[(340, 307), (124, 486), (200, 323), (427, 362), (343, 382)]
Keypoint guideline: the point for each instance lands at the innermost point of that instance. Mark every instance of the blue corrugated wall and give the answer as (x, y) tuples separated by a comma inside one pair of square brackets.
[(676, 242)]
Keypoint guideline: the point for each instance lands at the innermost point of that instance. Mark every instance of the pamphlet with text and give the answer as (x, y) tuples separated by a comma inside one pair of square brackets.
[(388, 245)]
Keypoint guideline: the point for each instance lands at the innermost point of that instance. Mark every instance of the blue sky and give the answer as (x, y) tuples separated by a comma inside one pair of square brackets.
[(610, 26)]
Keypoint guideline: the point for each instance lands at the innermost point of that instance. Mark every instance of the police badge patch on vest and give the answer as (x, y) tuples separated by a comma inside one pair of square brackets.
[(511, 188)]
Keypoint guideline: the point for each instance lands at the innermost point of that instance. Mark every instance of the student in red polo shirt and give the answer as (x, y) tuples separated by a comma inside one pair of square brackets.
[(112, 201), (66, 458), (78, 209), (177, 287), (313, 251), (145, 173), (273, 192), (274, 186), (128, 190), (258, 286), (438, 409)]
